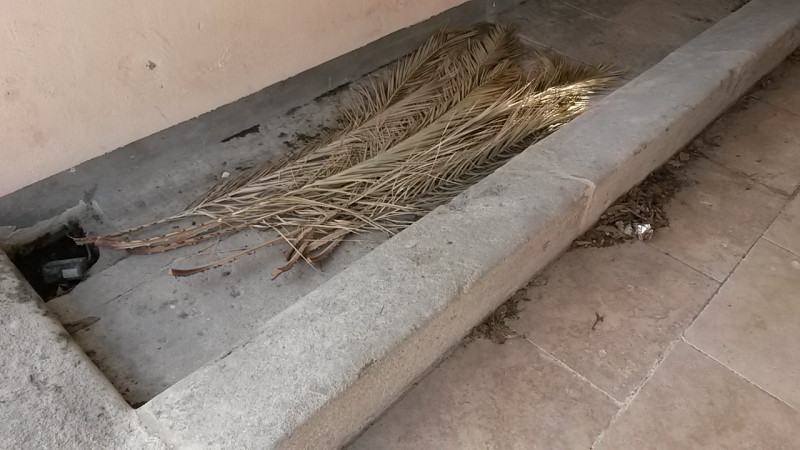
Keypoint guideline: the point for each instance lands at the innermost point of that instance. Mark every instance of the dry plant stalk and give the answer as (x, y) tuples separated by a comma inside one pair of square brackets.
[(441, 119)]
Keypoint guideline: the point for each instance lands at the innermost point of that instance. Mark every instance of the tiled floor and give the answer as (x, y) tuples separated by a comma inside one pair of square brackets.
[(700, 340)]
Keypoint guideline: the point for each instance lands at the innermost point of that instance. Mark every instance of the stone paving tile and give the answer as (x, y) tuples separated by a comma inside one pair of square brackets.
[(606, 31), (694, 402), (697, 11), (588, 38), (761, 141), (753, 324), (646, 298), (785, 231), (494, 396), (783, 88), (715, 221), (676, 20)]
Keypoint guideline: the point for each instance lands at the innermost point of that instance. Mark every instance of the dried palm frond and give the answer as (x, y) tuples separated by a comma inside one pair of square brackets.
[(441, 119)]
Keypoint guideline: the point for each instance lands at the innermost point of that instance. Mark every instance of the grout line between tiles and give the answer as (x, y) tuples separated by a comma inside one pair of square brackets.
[(792, 197), (787, 200), (746, 175), (722, 283), (681, 338), (641, 28), (591, 14), (145, 279), (675, 258), (627, 75), (539, 44), (781, 108), (740, 375), (630, 399), (778, 245), (571, 370), (163, 268)]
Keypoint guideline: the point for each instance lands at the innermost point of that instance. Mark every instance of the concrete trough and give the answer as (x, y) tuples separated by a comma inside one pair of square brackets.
[(329, 364), (319, 371)]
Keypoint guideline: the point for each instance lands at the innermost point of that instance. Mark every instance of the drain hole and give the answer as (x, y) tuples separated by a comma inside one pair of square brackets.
[(53, 264)]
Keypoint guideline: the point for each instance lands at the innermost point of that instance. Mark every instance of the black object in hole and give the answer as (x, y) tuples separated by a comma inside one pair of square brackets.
[(55, 246)]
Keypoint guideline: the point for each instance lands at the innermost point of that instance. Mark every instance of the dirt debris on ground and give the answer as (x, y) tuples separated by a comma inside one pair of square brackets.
[(300, 140), (643, 204), (495, 327)]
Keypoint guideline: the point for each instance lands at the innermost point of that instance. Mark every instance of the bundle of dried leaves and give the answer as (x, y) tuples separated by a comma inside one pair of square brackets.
[(441, 119)]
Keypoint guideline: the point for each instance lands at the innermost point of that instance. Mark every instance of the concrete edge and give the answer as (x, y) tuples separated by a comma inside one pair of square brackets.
[(12, 238), (331, 363), (52, 394)]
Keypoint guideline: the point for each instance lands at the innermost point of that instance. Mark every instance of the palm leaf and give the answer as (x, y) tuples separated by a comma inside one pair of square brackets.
[(438, 121)]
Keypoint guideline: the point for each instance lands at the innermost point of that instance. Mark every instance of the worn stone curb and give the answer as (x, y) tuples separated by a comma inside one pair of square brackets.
[(325, 367), (52, 396)]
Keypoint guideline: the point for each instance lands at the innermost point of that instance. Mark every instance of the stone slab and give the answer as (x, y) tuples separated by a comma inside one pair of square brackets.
[(682, 15), (760, 141), (785, 231), (553, 25), (751, 325), (634, 35), (715, 220), (699, 403), (363, 336), (51, 395), (496, 397), (782, 88), (646, 300)]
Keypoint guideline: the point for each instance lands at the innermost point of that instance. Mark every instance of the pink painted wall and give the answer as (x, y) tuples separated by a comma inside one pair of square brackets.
[(81, 78)]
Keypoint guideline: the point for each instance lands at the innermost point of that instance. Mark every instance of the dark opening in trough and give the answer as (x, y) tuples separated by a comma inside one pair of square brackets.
[(53, 264)]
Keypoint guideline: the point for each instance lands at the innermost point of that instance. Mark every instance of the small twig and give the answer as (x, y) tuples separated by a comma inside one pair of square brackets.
[(597, 320)]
